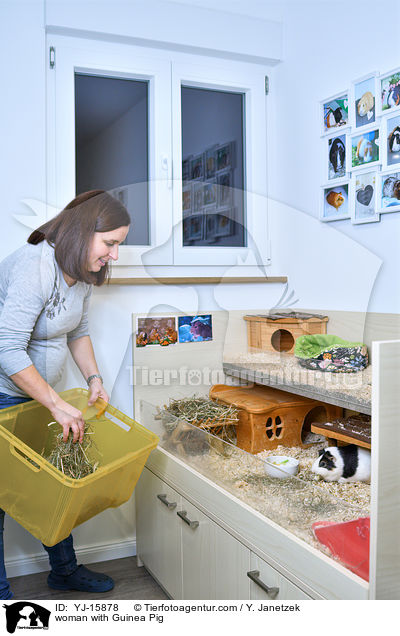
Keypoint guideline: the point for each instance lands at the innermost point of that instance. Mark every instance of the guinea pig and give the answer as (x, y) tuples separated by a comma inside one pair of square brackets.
[(391, 188), (366, 105), (364, 150), (343, 464), (335, 199), (334, 118), (394, 140), (393, 98), (337, 154)]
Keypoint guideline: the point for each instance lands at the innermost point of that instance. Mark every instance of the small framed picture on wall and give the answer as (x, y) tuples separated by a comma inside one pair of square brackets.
[(389, 88), (225, 156), (365, 149), (389, 191), (225, 189), (363, 197), (335, 113), (198, 197), (186, 169), (334, 205), (197, 167), (210, 193), (363, 100), (336, 156), (390, 147), (211, 162), (187, 200)]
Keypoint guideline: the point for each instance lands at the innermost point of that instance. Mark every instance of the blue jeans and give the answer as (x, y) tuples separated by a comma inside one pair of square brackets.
[(61, 556)]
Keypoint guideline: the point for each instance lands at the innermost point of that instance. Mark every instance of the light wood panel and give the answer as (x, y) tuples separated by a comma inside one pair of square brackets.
[(197, 280), (385, 477)]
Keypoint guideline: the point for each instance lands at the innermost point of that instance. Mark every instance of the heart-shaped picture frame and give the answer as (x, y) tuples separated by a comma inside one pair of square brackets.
[(364, 195)]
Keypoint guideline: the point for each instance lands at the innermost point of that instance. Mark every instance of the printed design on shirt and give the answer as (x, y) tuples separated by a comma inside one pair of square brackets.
[(55, 303)]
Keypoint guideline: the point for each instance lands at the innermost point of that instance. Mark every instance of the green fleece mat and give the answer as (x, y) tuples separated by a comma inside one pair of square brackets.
[(313, 346), (330, 353)]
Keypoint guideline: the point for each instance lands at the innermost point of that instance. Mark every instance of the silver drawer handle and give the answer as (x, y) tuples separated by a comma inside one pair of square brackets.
[(254, 575), (170, 504), (183, 515)]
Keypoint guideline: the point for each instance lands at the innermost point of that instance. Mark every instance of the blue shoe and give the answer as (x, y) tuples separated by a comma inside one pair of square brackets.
[(82, 579)]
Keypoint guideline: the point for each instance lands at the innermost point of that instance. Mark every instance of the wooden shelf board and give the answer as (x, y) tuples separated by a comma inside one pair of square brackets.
[(344, 401), (342, 437), (197, 280)]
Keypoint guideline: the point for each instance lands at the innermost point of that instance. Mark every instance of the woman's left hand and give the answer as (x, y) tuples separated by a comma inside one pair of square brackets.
[(97, 390)]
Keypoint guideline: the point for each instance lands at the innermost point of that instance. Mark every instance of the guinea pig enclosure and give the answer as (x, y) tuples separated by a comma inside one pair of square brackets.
[(296, 503)]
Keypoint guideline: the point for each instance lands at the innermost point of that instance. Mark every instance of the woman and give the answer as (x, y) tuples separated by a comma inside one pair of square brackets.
[(45, 288)]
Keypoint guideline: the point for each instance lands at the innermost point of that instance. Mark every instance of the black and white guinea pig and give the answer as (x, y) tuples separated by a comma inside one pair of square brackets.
[(343, 464)]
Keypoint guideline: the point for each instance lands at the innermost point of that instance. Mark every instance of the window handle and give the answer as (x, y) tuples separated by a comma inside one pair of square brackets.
[(166, 165)]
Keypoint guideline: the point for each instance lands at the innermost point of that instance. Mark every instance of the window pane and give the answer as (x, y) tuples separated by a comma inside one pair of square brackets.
[(111, 136), (212, 168)]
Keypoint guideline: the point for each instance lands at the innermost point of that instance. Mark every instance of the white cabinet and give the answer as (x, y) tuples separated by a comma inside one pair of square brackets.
[(233, 563), (234, 551), (198, 549), (193, 557), (158, 531)]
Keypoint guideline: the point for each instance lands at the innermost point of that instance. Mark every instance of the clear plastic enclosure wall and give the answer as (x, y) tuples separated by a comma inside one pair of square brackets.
[(293, 503)]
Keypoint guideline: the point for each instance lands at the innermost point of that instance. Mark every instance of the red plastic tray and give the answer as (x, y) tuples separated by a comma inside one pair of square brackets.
[(348, 542)]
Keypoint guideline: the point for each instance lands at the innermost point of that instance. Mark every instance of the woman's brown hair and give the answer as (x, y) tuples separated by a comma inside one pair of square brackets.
[(71, 232)]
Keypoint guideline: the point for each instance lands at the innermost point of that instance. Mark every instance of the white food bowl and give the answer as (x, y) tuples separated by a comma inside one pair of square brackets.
[(281, 466)]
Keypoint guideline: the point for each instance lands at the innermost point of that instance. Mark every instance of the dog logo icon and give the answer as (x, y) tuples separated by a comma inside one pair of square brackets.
[(26, 615)]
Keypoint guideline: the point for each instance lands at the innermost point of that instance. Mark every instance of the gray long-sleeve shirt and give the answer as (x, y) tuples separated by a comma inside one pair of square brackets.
[(39, 315)]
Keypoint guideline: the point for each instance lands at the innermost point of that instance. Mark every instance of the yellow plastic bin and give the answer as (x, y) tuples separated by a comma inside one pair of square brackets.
[(40, 497)]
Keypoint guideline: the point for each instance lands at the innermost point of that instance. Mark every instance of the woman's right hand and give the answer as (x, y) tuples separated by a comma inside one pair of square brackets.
[(71, 419)]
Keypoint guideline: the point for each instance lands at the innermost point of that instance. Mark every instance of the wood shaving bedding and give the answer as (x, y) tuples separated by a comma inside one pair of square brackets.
[(294, 504)]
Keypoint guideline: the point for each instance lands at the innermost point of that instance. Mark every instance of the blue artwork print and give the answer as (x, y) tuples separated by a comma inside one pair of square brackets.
[(195, 328)]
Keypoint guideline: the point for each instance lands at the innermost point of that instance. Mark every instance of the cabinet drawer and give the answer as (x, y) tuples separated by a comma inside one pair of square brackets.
[(268, 583)]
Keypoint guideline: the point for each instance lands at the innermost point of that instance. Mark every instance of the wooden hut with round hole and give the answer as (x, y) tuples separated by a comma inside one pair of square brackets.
[(278, 332), (269, 417)]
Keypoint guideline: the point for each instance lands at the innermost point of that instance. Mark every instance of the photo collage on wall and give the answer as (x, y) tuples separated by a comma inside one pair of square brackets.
[(361, 139), (207, 194), (169, 330)]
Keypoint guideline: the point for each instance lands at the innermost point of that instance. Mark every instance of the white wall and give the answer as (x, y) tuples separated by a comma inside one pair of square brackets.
[(327, 45)]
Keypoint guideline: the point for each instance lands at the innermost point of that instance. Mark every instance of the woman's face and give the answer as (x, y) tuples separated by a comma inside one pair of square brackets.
[(104, 247)]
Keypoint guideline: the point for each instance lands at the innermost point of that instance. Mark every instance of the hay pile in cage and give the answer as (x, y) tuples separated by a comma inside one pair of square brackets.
[(215, 418), (73, 459)]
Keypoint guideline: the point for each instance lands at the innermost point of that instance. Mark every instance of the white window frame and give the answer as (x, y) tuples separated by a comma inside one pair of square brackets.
[(249, 80), (120, 61), (165, 71)]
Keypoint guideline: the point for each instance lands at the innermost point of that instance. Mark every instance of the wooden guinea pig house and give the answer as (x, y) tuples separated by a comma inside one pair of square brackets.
[(278, 332), (269, 417)]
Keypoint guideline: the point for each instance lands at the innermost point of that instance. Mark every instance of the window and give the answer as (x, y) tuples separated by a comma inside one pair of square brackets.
[(111, 140), (212, 168), (181, 144)]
